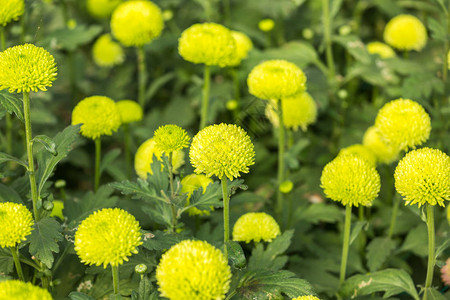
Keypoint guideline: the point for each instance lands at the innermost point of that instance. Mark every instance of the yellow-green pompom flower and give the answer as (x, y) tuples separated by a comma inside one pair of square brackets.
[(309, 297), (384, 152), (222, 150), (107, 237), (136, 23), (144, 158), (16, 224), (405, 32), (381, 49), (19, 290), (423, 176), (276, 79), (26, 68), (106, 52), (266, 25), (193, 270), (207, 43), (11, 10), (170, 138), (403, 123), (299, 110), (361, 151), (189, 184), (129, 111), (102, 8), (350, 180), (255, 227), (243, 46), (99, 116)]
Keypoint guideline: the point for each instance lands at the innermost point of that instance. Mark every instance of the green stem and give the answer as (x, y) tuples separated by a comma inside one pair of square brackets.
[(98, 153), (142, 73), (172, 193), (205, 96), (227, 12), (431, 244), (30, 263), (346, 243), (29, 145), (126, 141), (234, 75), (115, 275), (395, 207), (327, 36), (226, 216), (8, 119), (17, 263), (281, 167)]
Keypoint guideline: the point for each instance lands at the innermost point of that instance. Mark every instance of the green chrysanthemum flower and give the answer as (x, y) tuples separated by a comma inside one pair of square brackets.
[(193, 270), (309, 297), (26, 68), (405, 32), (384, 153), (222, 150), (129, 111), (102, 8), (207, 43), (99, 116), (423, 176), (144, 158), (136, 23), (403, 123), (170, 138), (255, 227), (350, 180), (381, 49), (106, 52), (19, 290), (276, 79), (189, 184), (11, 10), (361, 151), (243, 46), (16, 223), (107, 237)]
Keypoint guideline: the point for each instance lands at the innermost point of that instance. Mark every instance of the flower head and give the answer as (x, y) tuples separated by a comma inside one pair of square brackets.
[(129, 111), (189, 184), (207, 43), (136, 23), (107, 237), (405, 32), (351, 180), (144, 158), (423, 176), (170, 138), (381, 49), (403, 123), (266, 25), (102, 8), (193, 270), (384, 152), (16, 223), (276, 79), (255, 227), (222, 150), (106, 52), (11, 10), (309, 297), (99, 116), (243, 46), (445, 272), (26, 68), (19, 290), (361, 151)]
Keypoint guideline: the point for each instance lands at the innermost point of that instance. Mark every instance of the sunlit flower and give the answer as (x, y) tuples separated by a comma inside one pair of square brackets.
[(255, 227), (266, 25), (383, 50), (361, 151), (19, 290), (243, 46), (102, 8), (384, 152), (189, 184), (129, 111), (106, 52), (309, 297), (170, 138), (16, 224), (193, 270), (445, 272), (11, 10), (405, 32)]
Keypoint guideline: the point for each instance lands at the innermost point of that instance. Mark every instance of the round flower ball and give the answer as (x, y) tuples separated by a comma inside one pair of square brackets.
[(361, 151), (380, 49), (384, 152), (144, 158), (309, 297), (243, 46), (26, 68), (403, 123), (107, 237), (16, 224), (11, 10), (130, 111), (19, 290), (405, 32), (170, 138), (136, 23), (99, 116), (350, 180), (193, 270), (423, 176), (255, 227), (207, 43), (189, 184), (266, 25), (106, 52), (102, 8), (276, 79), (222, 150)]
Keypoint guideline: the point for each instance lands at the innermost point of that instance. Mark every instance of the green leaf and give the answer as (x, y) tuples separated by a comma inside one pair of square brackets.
[(8, 194), (355, 47), (44, 240), (389, 281), (438, 30), (236, 255), (157, 84), (6, 261), (422, 85), (433, 294), (47, 142), (159, 240), (356, 229), (204, 201), (319, 212), (109, 158), (442, 247), (335, 7), (443, 6), (414, 241), (378, 251), (139, 189), (6, 157), (79, 296), (70, 39), (12, 104)]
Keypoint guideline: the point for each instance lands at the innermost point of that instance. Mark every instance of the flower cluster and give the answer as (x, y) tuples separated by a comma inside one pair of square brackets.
[(170, 138), (106, 52), (16, 223), (405, 32), (19, 290), (255, 227)]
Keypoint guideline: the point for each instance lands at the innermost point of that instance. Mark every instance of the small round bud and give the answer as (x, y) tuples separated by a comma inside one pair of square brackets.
[(47, 205), (266, 25), (307, 33), (140, 269), (59, 184), (286, 186), (342, 94), (167, 15), (345, 30), (232, 104)]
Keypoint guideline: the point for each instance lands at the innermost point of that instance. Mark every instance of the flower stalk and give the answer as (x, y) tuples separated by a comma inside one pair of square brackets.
[(205, 96), (142, 73), (17, 263), (431, 244), (226, 215), (115, 275), (346, 243), (281, 164)]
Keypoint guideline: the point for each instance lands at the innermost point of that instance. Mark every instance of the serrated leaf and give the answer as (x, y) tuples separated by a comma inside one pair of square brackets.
[(109, 158), (389, 281), (271, 258), (79, 296), (378, 251), (70, 39), (433, 294), (44, 240), (414, 241), (159, 240), (47, 142), (6, 261), (422, 85), (204, 201), (6, 157), (438, 30), (12, 104), (356, 229), (139, 189), (319, 212), (236, 255)]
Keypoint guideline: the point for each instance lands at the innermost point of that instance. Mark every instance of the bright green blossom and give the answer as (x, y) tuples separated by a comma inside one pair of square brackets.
[(170, 138), (381, 49), (243, 46), (405, 32), (266, 25), (129, 111), (255, 227), (11, 10), (384, 152), (19, 290), (16, 224), (102, 8), (361, 151), (189, 184), (309, 297), (106, 52)]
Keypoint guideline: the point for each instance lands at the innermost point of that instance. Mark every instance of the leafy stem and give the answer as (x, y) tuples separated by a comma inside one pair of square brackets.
[(431, 244), (226, 216), (346, 243), (115, 275), (142, 73), (281, 167)]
